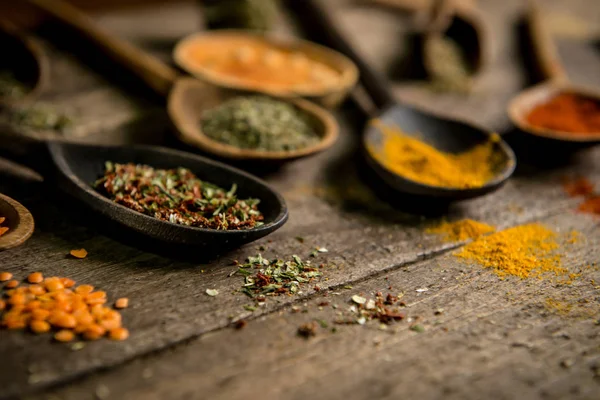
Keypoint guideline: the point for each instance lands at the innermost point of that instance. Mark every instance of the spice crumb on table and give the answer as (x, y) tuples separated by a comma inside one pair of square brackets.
[(462, 230)]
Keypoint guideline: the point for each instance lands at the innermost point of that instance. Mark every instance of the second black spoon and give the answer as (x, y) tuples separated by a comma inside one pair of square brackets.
[(444, 134)]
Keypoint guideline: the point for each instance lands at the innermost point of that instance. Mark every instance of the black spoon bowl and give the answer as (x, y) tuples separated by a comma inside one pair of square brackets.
[(444, 134), (74, 168)]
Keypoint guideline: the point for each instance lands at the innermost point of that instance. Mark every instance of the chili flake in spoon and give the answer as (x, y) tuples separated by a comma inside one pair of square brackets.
[(4, 229), (177, 196)]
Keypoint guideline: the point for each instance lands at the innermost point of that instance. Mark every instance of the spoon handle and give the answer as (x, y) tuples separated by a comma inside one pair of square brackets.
[(544, 49), (159, 76), (325, 30)]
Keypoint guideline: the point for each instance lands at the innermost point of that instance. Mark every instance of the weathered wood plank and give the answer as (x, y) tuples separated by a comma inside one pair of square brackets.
[(490, 341), (330, 206)]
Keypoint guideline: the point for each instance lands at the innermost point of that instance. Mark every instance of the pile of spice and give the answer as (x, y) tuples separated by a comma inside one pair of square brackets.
[(260, 123), (462, 230), (177, 196), (3, 229), (11, 87), (568, 112), (253, 62), (448, 65), (523, 251), (55, 304), (421, 162), (275, 277), (239, 14)]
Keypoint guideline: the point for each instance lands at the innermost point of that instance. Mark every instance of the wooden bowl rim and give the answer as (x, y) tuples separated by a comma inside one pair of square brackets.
[(349, 72), (517, 112), (197, 138)]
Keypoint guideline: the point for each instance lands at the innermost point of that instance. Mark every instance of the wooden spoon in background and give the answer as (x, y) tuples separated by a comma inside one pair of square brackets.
[(18, 220), (187, 98), (458, 20), (546, 56), (24, 58)]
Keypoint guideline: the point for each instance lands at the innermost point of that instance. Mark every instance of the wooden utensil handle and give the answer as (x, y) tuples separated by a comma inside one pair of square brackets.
[(325, 30), (544, 49), (159, 76)]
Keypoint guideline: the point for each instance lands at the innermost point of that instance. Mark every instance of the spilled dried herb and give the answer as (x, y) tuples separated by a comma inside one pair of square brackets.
[(307, 330), (275, 277), (260, 123), (385, 309), (178, 196)]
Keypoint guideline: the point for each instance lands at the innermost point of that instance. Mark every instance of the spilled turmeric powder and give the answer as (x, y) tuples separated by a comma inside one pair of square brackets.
[(421, 162), (524, 251), (462, 230)]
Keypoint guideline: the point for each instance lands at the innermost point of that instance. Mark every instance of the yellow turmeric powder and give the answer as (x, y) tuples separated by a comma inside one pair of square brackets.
[(421, 162), (524, 251), (462, 230)]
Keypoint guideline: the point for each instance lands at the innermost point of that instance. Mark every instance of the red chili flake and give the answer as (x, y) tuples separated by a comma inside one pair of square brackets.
[(323, 304), (591, 205), (240, 324), (307, 330), (579, 186)]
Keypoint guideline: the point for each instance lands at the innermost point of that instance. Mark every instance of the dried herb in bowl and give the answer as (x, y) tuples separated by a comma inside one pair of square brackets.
[(260, 123), (178, 196), (10, 86)]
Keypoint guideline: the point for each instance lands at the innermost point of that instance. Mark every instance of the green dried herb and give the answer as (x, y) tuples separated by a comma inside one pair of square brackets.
[(178, 196), (260, 123), (11, 87), (450, 69), (241, 14), (41, 118), (275, 277)]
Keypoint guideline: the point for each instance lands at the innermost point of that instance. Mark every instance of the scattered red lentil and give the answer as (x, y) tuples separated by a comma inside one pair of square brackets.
[(11, 284), (50, 304), (5, 276), (64, 335), (122, 303), (119, 334), (35, 277), (81, 253)]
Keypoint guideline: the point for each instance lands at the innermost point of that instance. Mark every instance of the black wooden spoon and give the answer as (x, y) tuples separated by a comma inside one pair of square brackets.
[(74, 167), (442, 133)]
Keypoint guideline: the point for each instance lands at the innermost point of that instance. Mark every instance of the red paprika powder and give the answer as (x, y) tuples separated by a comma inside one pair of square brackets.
[(568, 112)]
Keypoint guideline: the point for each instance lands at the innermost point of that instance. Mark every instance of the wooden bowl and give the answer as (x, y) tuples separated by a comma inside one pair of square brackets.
[(520, 107), (189, 97), (329, 97), (18, 220)]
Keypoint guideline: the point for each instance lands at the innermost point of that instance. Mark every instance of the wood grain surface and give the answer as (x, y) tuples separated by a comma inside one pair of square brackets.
[(494, 338)]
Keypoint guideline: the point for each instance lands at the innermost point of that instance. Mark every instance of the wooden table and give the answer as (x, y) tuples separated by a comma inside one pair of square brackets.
[(483, 337)]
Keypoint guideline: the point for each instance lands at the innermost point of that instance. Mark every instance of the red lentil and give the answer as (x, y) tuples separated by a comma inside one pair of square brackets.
[(122, 303), (5, 276), (50, 303), (64, 336), (81, 253), (11, 284), (35, 277)]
